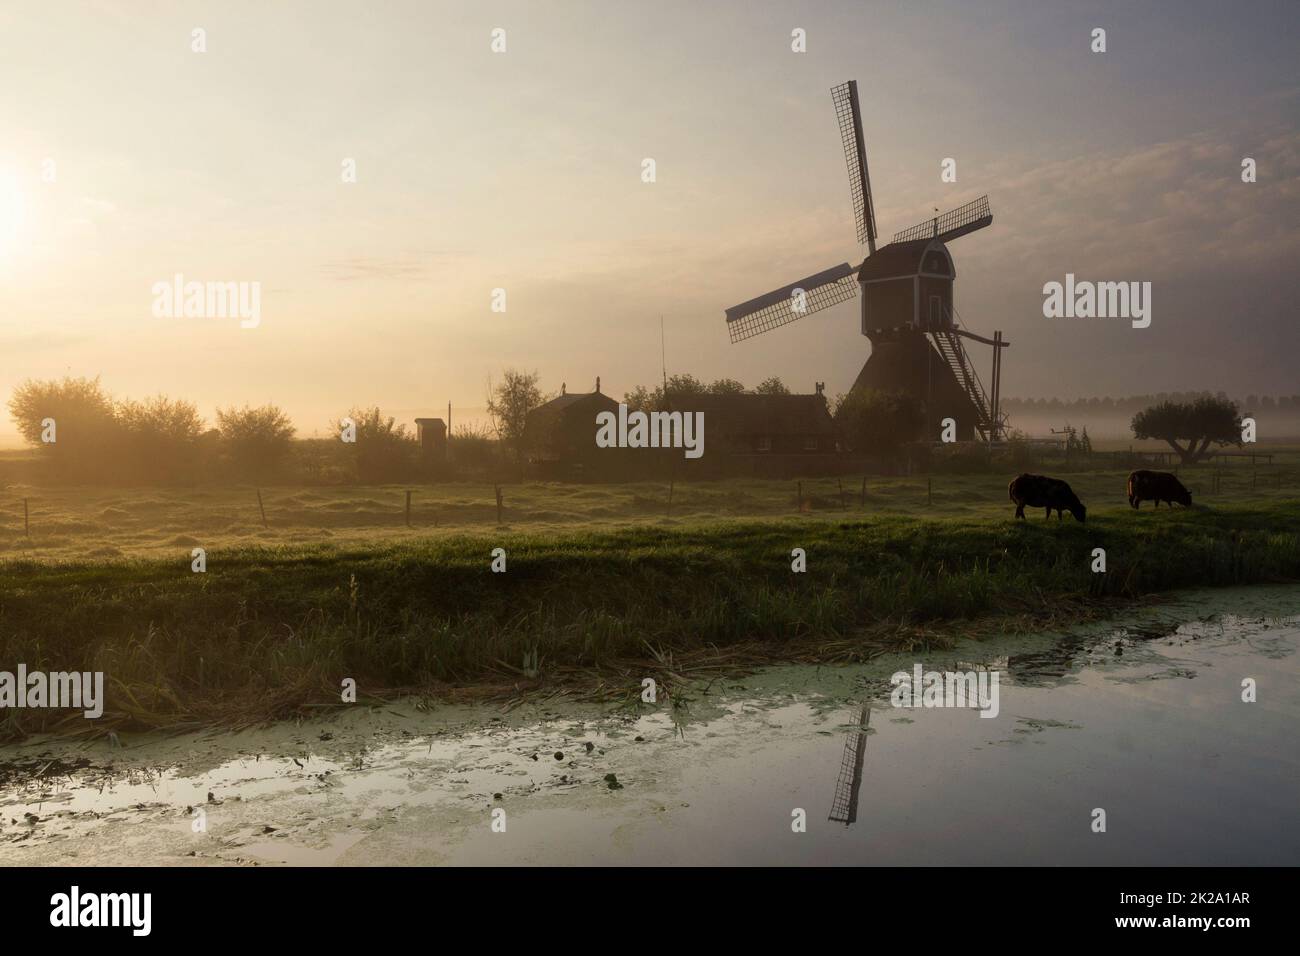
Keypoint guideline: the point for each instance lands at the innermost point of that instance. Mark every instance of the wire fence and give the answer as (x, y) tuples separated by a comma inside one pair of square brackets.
[(425, 508)]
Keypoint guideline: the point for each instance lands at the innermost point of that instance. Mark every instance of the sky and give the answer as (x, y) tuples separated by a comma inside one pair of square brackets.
[(522, 170)]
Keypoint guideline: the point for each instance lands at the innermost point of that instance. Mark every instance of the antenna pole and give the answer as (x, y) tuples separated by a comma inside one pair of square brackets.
[(663, 354)]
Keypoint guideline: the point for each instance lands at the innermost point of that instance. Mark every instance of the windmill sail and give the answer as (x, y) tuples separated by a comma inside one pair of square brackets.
[(792, 302), (955, 222), (849, 115), (848, 785)]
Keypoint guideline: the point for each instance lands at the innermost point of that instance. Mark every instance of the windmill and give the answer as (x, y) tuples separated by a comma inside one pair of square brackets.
[(906, 301)]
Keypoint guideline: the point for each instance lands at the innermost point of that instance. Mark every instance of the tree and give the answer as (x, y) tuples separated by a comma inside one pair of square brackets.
[(875, 422), (771, 386), (257, 439), (1199, 423), (84, 429), (684, 385), (384, 450), (509, 403), (160, 436), (640, 399), (474, 450), (727, 386)]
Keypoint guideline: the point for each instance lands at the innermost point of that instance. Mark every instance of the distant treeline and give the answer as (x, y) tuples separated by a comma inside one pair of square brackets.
[(1133, 404), (82, 433)]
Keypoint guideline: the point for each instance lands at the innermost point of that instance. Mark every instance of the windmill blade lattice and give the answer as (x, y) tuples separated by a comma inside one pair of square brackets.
[(955, 222), (849, 117), (782, 306)]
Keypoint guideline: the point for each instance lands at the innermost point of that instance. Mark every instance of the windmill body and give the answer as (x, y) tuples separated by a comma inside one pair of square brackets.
[(906, 291), (907, 303)]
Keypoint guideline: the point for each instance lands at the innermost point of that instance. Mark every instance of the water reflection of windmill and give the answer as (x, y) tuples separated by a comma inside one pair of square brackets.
[(844, 806), (907, 302)]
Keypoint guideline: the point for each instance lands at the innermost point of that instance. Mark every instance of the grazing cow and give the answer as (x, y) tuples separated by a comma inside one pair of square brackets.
[(1039, 491), (1157, 486)]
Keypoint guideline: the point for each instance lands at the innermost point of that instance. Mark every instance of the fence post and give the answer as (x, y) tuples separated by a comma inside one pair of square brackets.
[(840, 482), (408, 507), (499, 498), (260, 507)]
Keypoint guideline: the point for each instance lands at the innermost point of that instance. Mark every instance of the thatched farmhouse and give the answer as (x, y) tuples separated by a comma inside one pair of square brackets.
[(770, 435), (743, 434)]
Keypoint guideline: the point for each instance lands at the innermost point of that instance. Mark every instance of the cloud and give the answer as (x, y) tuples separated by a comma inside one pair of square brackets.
[(405, 267), (40, 341), (1160, 211)]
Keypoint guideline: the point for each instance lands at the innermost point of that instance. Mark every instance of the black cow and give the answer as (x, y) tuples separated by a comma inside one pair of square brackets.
[(1039, 491), (1157, 486)]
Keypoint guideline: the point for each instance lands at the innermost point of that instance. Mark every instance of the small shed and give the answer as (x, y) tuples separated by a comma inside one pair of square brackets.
[(431, 433)]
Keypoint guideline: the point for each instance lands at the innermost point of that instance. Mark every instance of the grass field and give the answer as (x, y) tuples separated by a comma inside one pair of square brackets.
[(603, 587), (78, 524)]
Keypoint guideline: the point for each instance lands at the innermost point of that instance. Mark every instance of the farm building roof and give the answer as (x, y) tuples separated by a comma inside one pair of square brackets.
[(746, 414), (562, 403), (543, 419)]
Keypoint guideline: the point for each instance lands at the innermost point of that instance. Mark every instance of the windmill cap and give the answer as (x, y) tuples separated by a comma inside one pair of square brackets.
[(900, 259)]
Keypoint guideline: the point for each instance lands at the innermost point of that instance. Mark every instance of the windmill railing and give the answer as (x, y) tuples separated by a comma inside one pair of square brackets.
[(969, 378), (999, 418), (970, 368)]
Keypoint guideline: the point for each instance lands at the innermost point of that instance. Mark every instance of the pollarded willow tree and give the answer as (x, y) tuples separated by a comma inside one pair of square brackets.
[(1190, 428)]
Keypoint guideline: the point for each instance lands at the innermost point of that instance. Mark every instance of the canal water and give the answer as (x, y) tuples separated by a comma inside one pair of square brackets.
[(1139, 723)]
